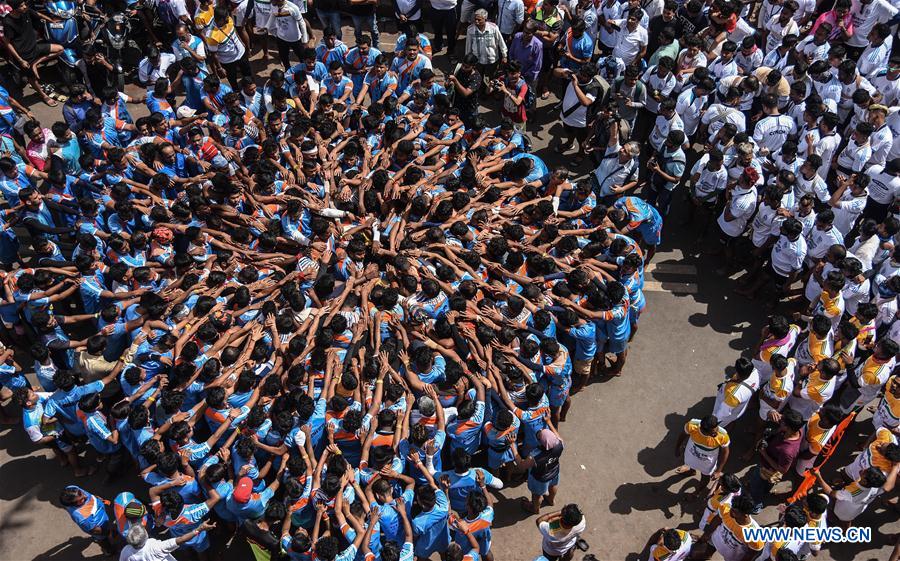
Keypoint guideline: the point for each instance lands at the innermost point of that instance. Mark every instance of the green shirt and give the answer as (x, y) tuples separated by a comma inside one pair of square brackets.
[(671, 50)]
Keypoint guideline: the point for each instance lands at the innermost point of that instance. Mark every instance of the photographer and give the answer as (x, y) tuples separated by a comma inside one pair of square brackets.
[(617, 170), (584, 90), (629, 95), (514, 90), (666, 168), (777, 452)]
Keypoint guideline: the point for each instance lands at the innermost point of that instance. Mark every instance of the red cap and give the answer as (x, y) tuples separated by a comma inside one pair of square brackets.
[(751, 173), (243, 490)]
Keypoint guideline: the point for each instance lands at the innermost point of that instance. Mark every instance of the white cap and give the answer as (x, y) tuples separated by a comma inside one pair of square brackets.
[(185, 112)]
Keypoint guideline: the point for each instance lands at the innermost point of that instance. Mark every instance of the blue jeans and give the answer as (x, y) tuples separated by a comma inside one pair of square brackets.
[(360, 22), (330, 19)]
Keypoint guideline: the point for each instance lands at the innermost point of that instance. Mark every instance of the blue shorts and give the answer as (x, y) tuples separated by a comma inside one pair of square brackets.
[(557, 396), (634, 315), (651, 233), (541, 488), (615, 346)]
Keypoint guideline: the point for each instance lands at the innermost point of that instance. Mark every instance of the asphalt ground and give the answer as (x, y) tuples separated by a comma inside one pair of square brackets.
[(620, 437)]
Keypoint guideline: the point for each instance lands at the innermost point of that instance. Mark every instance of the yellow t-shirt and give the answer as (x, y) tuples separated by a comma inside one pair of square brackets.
[(707, 443)]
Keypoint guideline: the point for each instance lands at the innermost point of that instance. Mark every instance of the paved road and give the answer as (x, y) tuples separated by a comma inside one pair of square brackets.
[(619, 439)]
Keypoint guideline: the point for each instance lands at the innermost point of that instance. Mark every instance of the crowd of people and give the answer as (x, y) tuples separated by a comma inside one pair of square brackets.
[(329, 310)]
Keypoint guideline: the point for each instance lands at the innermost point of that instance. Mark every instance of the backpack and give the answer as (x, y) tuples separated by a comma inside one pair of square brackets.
[(166, 13), (599, 88)]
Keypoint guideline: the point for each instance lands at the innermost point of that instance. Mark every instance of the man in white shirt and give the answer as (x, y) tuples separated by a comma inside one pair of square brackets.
[(709, 179), (583, 89), (882, 138), (153, 66), (866, 14), (884, 186), (848, 202), (854, 157), (887, 82), (724, 66), (788, 253), (286, 23), (740, 202), (815, 46), (186, 45), (690, 104), (561, 530), (719, 114), (510, 14), (773, 130), (617, 172), (781, 25), (809, 182), (660, 82), (822, 236), (667, 121), (785, 261), (630, 39), (875, 57), (609, 13), (140, 547), (827, 142)]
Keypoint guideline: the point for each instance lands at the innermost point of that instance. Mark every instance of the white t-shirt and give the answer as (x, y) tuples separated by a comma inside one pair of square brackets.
[(778, 32), (820, 240), (883, 187), (153, 550), (710, 183), (788, 255), (628, 44), (855, 156), (286, 23), (882, 141), (893, 122), (688, 107), (865, 16), (559, 541), (742, 205), (874, 59), (772, 131), (652, 81), (661, 129), (766, 224), (848, 210), (825, 146), (889, 89), (717, 115), (149, 74), (578, 117)]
